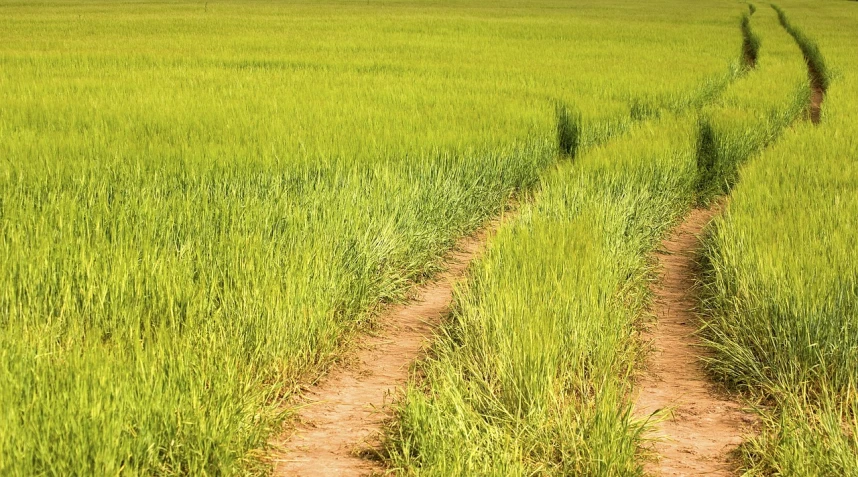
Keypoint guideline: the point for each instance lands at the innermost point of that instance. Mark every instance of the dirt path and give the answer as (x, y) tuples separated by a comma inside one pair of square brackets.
[(697, 437), (344, 413)]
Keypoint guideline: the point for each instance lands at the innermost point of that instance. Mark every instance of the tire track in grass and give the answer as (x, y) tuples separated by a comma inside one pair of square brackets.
[(750, 43), (817, 72), (340, 418), (702, 426), (817, 95), (697, 425)]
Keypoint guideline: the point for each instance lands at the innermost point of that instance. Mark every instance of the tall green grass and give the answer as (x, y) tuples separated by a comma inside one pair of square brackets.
[(783, 282), (810, 50), (531, 374), (753, 112), (199, 204)]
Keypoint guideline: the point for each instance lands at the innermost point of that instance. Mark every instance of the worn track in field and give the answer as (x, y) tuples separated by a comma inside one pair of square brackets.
[(701, 425), (817, 93), (340, 420)]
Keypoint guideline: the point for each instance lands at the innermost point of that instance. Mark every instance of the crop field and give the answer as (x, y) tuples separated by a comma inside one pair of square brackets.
[(783, 281), (207, 208)]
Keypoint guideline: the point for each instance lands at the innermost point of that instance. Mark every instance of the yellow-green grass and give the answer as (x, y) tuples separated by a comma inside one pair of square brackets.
[(200, 202), (754, 110), (783, 278), (533, 373)]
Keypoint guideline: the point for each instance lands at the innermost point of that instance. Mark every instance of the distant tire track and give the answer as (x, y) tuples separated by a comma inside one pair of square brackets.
[(817, 71), (750, 43)]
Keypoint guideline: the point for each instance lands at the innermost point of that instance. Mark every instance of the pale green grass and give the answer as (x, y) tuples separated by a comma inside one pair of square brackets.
[(200, 202), (783, 281), (532, 375)]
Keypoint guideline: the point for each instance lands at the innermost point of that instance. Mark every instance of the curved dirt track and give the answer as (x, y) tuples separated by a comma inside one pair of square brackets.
[(696, 438), (339, 426)]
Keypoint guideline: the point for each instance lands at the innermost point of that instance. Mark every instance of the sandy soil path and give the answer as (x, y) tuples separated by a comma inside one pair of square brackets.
[(704, 426), (342, 418)]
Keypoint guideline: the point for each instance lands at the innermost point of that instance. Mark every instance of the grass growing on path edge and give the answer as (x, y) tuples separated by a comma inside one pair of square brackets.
[(782, 281), (532, 373)]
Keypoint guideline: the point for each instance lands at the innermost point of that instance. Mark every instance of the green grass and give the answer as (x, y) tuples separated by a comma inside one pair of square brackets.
[(753, 112), (534, 371), (783, 295), (200, 203), (531, 374)]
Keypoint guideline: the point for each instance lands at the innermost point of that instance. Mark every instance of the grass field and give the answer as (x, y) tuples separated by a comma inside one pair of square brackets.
[(534, 373), (782, 280), (202, 205)]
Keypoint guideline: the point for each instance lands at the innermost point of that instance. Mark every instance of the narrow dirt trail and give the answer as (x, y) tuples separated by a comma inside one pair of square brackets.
[(704, 426), (342, 416)]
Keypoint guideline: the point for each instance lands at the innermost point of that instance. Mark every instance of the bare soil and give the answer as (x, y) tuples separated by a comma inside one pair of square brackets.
[(701, 426), (339, 426)]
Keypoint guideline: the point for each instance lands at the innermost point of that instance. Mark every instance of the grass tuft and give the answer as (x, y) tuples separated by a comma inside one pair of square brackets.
[(568, 130)]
